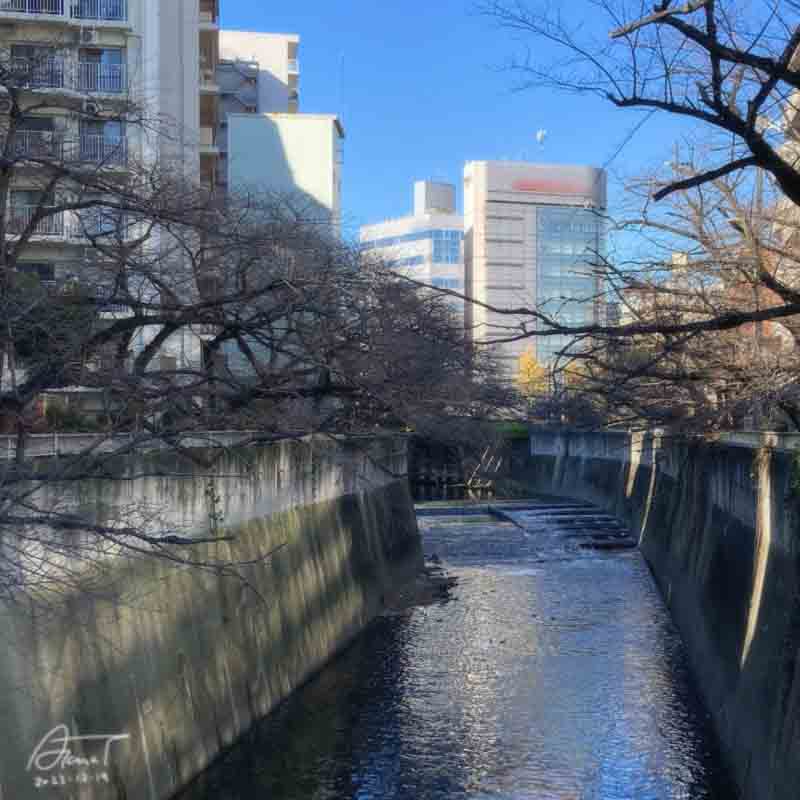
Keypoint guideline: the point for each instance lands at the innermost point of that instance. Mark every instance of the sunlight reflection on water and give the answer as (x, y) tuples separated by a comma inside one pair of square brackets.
[(554, 674)]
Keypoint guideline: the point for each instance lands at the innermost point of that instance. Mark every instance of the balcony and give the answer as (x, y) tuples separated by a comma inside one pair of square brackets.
[(50, 8), (103, 150), (294, 66), (37, 145), (98, 11), (96, 78), (21, 217), (49, 73)]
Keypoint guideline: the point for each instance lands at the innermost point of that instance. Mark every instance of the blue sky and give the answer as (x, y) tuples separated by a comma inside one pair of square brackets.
[(422, 89)]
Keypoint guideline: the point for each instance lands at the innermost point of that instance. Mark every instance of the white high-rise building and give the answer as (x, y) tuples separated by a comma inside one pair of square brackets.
[(427, 245), (530, 230)]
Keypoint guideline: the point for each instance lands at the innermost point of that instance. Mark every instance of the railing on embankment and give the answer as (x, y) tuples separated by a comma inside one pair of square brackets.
[(51, 445), (719, 524)]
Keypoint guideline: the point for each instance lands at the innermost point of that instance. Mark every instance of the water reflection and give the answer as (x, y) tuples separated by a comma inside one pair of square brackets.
[(555, 673)]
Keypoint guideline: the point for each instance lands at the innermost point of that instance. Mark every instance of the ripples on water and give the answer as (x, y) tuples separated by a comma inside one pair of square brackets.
[(554, 674)]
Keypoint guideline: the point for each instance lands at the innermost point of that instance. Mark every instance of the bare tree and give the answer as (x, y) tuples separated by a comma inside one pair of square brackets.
[(180, 312), (705, 287), (721, 63), (689, 347)]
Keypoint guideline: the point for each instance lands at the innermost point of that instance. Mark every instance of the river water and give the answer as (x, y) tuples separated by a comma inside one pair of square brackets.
[(554, 672)]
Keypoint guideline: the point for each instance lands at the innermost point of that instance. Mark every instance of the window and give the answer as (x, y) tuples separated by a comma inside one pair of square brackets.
[(414, 261), (446, 283), (416, 236), (101, 221), (567, 239)]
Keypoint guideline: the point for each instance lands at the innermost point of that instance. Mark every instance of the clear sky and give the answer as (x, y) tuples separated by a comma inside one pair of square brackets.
[(421, 87)]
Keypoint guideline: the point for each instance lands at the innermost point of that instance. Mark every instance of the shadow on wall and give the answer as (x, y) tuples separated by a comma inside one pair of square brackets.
[(185, 660), (262, 174)]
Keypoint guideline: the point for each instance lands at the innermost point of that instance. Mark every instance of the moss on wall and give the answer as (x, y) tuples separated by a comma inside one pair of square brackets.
[(186, 660)]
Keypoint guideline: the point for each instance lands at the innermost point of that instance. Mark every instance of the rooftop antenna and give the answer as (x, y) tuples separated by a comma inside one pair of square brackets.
[(341, 87)]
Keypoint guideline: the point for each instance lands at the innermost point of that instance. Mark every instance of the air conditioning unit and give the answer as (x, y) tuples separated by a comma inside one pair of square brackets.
[(89, 36), (5, 105)]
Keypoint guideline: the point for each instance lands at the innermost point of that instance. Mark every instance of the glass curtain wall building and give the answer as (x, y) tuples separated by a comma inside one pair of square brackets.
[(530, 232), (568, 239)]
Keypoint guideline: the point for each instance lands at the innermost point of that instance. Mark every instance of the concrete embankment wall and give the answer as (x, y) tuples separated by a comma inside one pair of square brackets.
[(719, 526), (184, 660)]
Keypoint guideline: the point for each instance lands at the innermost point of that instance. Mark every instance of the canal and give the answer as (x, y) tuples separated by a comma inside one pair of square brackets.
[(553, 672)]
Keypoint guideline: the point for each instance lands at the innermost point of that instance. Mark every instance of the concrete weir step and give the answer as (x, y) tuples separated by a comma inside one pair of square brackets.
[(596, 530)]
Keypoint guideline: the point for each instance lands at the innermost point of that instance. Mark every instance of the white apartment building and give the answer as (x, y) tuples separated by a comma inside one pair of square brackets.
[(427, 245), (529, 231), (265, 145), (88, 59), (258, 73)]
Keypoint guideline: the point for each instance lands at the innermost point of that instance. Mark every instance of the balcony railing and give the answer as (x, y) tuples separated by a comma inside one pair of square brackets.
[(37, 144), (100, 10), (102, 78), (55, 73), (46, 73), (21, 217), (101, 149), (51, 7), (92, 10)]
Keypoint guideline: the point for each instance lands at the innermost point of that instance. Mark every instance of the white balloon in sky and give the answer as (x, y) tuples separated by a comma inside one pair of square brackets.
[(541, 135)]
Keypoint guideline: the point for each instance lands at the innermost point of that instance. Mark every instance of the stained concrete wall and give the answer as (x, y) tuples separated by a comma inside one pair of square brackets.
[(718, 524), (184, 660)]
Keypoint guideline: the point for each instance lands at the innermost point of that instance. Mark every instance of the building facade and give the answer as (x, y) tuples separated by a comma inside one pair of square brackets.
[(257, 73), (92, 69), (426, 246), (530, 231), (295, 156), (86, 62)]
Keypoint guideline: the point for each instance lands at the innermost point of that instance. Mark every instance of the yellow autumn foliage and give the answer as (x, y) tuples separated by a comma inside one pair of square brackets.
[(531, 376)]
